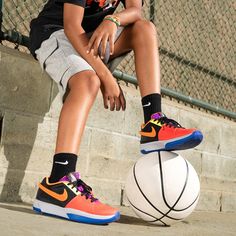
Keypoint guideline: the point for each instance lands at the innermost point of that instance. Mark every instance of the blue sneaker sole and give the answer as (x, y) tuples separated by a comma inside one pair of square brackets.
[(81, 219), (188, 142)]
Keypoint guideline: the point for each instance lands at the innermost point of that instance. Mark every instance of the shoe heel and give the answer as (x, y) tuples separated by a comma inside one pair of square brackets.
[(49, 209), (36, 207)]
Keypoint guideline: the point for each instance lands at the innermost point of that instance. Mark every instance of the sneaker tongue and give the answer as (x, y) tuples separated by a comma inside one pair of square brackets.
[(71, 177), (157, 115), (74, 176)]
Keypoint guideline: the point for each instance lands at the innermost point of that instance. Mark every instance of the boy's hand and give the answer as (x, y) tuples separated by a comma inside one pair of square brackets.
[(112, 94), (105, 32)]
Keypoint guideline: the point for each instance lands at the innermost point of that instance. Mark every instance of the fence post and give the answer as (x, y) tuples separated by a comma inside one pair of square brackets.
[(152, 10)]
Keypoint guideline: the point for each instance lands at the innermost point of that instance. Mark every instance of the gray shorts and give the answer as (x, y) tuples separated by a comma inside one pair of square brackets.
[(61, 61)]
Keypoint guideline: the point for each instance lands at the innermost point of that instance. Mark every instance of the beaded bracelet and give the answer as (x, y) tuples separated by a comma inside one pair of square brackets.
[(114, 19)]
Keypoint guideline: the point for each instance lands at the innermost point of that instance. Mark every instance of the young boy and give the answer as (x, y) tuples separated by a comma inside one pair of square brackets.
[(75, 41)]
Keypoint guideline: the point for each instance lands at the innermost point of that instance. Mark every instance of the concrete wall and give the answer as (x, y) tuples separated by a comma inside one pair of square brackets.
[(29, 110)]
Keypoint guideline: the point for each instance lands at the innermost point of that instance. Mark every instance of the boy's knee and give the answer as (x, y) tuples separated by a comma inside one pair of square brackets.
[(88, 80), (143, 32), (144, 26), (94, 83)]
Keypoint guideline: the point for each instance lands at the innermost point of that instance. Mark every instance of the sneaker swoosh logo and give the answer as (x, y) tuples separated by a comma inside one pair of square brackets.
[(147, 105), (151, 134), (60, 197), (62, 163)]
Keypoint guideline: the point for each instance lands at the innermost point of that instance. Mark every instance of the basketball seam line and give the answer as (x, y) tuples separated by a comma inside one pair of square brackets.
[(185, 184), (163, 214), (146, 214), (162, 186)]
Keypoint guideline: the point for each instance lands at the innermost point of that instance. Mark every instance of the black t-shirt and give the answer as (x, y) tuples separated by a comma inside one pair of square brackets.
[(50, 19)]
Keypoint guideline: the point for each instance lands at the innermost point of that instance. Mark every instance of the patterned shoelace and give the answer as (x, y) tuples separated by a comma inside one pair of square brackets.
[(85, 190), (169, 122)]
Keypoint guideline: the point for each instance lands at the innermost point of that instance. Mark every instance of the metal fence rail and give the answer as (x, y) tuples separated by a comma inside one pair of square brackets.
[(197, 47)]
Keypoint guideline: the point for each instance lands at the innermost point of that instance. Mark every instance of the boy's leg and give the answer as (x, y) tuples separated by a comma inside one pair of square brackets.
[(64, 194), (67, 195), (141, 37), (158, 132), (147, 65), (83, 88)]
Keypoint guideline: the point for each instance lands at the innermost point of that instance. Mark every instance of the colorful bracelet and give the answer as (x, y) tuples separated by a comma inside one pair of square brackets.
[(113, 16), (113, 19)]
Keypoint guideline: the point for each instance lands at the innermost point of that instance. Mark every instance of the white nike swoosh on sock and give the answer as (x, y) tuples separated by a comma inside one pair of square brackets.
[(147, 105), (62, 163)]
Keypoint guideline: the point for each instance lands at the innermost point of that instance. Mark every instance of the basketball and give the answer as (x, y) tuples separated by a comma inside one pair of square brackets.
[(162, 188)]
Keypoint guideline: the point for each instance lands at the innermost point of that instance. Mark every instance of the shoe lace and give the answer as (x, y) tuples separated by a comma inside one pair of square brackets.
[(169, 122), (85, 190)]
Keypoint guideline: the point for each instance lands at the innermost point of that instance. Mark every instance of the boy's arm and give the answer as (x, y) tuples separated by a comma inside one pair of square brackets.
[(102, 35), (131, 13), (73, 16)]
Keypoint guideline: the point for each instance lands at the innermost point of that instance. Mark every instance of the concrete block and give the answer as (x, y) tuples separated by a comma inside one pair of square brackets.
[(129, 149), (18, 157), (106, 168), (55, 103), (228, 202), (11, 186), (115, 146), (83, 160), (213, 184), (19, 129), (108, 192), (28, 142), (208, 126), (19, 186), (228, 139), (102, 118), (218, 167), (209, 201), (194, 157), (2, 178), (170, 110), (29, 185), (40, 160), (23, 81), (103, 143), (3, 160), (29, 130), (133, 113), (42, 157), (47, 133)]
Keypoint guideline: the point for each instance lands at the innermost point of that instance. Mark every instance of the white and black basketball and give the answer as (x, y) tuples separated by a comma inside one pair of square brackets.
[(162, 188)]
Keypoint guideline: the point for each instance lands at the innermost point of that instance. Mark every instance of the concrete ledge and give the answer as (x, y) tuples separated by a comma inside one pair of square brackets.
[(29, 111), (24, 87)]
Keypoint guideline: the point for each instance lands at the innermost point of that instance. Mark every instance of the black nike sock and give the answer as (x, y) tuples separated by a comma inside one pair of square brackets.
[(63, 164), (151, 104)]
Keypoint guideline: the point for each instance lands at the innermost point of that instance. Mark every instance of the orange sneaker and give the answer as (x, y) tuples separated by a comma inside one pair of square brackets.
[(163, 134), (72, 199)]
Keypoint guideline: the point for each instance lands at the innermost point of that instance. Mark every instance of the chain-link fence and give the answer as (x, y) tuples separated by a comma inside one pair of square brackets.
[(197, 44)]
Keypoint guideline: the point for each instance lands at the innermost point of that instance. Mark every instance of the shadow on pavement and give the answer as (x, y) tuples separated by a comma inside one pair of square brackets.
[(21, 208), (125, 219)]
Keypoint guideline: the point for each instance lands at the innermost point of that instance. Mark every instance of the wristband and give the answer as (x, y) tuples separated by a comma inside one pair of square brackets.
[(113, 16), (113, 19)]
